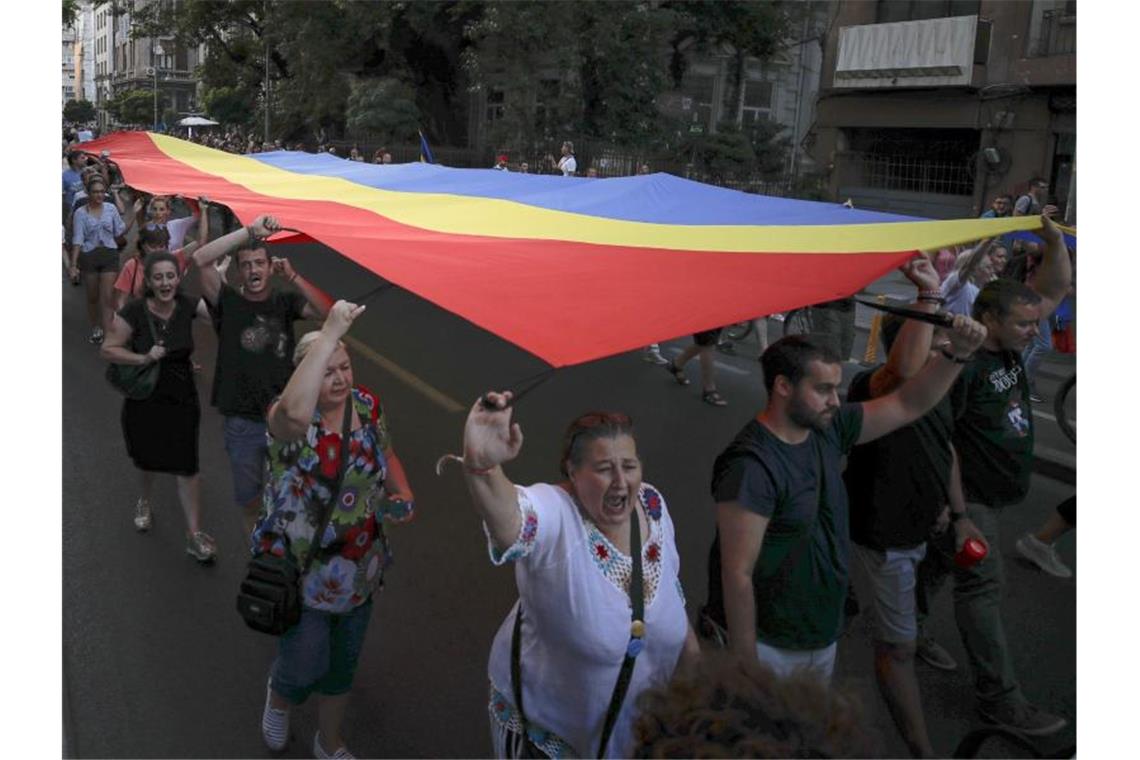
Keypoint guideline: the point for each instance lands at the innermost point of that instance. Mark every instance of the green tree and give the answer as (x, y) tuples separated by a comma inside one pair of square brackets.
[(79, 111), (132, 107), (228, 105), (385, 108)]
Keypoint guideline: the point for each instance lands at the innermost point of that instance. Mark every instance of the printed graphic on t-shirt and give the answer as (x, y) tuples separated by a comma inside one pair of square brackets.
[(265, 335), (1015, 417), (1004, 379)]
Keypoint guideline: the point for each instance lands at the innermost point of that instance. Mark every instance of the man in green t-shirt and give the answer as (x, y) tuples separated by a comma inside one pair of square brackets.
[(778, 568), (993, 436)]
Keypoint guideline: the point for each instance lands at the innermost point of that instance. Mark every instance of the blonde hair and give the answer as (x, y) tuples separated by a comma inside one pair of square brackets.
[(305, 343)]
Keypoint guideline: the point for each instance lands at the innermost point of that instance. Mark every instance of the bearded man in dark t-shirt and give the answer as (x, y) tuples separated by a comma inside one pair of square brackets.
[(993, 438), (255, 346), (778, 566)]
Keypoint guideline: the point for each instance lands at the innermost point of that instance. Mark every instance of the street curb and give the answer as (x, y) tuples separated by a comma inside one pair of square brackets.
[(1055, 464)]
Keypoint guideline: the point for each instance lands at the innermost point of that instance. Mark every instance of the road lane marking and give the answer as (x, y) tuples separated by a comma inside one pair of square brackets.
[(1046, 415), (437, 397)]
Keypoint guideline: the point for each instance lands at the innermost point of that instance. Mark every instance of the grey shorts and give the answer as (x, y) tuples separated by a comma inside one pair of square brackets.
[(886, 581)]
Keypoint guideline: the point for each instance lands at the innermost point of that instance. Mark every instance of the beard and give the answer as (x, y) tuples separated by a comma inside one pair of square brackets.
[(799, 413)]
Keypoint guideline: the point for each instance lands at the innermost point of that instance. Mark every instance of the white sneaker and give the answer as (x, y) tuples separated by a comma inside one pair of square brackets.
[(142, 515), (274, 724), (653, 355), (320, 753), (1043, 555)]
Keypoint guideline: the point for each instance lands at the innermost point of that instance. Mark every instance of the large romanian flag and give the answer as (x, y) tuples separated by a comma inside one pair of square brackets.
[(569, 269)]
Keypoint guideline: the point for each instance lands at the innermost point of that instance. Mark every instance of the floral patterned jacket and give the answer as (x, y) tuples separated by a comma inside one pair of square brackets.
[(301, 478)]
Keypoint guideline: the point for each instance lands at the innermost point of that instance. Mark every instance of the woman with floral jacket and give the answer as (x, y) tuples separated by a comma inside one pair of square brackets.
[(319, 654)]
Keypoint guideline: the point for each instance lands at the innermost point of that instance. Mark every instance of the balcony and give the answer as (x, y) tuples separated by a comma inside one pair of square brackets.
[(939, 52)]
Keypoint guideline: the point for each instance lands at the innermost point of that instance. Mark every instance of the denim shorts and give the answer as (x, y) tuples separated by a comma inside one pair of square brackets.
[(98, 261), (246, 446), (320, 653), (887, 580)]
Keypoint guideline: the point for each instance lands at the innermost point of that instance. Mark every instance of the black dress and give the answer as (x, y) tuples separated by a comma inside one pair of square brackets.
[(161, 431)]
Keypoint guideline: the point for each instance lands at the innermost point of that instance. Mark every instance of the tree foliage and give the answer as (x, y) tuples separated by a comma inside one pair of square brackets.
[(132, 107), (228, 105), (79, 111), (546, 70)]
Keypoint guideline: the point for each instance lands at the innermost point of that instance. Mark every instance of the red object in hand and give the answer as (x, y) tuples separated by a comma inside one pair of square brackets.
[(972, 552)]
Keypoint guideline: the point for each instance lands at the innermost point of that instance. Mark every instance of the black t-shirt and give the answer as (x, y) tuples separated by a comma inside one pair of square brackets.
[(993, 428), (897, 484), (175, 376), (255, 350), (800, 578)]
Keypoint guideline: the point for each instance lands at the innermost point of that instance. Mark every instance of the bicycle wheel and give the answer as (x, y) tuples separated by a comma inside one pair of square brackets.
[(737, 332), (799, 322), (1065, 408)]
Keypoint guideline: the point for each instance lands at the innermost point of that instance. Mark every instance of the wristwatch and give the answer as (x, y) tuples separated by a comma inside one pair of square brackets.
[(956, 516)]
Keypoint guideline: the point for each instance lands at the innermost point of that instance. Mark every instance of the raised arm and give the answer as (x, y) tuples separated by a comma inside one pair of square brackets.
[(1051, 280), (973, 259), (741, 536), (918, 395), (204, 257), (489, 440), (289, 417), (317, 301), (912, 345)]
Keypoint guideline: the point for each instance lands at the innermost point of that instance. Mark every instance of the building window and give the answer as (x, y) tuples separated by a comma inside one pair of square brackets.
[(889, 11), (937, 161), (1061, 176), (757, 101), (496, 105), (1053, 28)]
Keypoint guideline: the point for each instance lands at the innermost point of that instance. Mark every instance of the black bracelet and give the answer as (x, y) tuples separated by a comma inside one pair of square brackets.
[(956, 359), (956, 516), (932, 299)]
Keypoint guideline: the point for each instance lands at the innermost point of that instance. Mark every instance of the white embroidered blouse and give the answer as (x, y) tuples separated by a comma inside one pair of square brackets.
[(573, 585)]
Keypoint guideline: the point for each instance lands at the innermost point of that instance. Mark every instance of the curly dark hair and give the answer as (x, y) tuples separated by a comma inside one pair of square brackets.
[(729, 708)]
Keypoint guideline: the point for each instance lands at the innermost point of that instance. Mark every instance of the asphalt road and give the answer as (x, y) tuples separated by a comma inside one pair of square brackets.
[(157, 663)]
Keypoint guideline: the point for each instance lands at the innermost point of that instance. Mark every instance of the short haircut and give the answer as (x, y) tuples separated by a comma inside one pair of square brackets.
[(250, 248), (790, 356), (590, 427), (999, 297), (569, 145), (1038, 180), (1005, 197), (151, 261), (305, 343)]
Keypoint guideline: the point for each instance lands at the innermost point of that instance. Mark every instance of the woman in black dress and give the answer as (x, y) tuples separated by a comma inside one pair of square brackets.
[(161, 431)]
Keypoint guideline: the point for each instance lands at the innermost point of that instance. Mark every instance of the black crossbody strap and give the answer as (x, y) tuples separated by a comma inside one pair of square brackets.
[(636, 642), (326, 514)]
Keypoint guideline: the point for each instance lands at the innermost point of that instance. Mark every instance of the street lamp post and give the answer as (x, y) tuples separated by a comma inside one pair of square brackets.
[(155, 52)]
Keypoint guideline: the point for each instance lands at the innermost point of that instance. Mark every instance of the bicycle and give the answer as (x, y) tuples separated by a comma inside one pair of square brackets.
[(1065, 408)]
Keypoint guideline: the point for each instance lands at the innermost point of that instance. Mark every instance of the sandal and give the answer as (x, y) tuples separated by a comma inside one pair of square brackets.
[(714, 398), (677, 373)]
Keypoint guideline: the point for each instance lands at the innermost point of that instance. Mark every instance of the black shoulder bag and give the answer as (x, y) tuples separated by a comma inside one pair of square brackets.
[(636, 644), (269, 599), (136, 381)]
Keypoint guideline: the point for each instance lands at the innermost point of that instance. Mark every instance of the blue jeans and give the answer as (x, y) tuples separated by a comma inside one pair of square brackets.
[(1036, 351), (320, 653), (246, 446)]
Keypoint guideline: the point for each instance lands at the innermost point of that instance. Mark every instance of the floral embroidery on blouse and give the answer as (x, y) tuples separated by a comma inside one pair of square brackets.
[(528, 531), (301, 479), (505, 715), (618, 567)]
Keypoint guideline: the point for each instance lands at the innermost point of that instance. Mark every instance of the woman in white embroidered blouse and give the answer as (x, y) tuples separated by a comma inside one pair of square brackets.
[(570, 544)]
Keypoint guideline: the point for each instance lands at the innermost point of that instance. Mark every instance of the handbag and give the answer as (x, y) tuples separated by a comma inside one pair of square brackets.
[(269, 599), (136, 381), (633, 648)]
